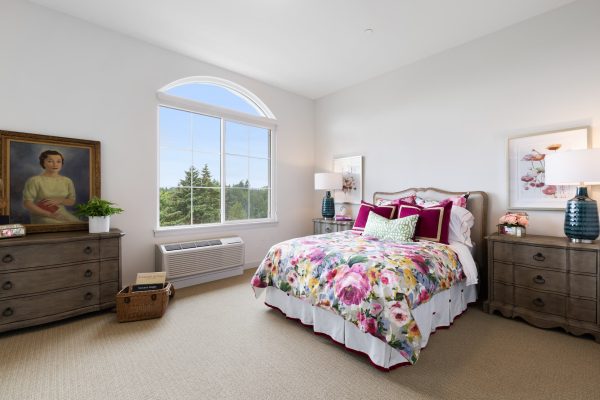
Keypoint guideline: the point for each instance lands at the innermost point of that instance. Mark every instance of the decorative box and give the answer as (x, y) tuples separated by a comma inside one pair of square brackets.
[(13, 230), (519, 231)]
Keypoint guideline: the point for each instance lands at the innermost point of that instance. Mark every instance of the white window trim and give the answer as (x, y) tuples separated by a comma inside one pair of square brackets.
[(167, 100)]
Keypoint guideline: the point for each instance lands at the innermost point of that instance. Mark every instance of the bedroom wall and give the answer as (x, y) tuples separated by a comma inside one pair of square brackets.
[(444, 121), (62, 76)]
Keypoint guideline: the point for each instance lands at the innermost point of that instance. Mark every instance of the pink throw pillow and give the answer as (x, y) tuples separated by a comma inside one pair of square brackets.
[(433, 221), (363, 214)]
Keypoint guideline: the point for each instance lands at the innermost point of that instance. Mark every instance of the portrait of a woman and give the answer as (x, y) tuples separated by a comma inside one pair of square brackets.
[(46, 195)]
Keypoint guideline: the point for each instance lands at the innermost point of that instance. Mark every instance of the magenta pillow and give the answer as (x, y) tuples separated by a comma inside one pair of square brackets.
[(363, 214), (433, 221)]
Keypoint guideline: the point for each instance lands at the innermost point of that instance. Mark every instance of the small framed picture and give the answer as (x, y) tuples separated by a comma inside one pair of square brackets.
[(45, 177), (351, 170), (527, 187)]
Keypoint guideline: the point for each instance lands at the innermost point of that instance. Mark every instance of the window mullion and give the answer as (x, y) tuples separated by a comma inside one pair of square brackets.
[(222, 170)]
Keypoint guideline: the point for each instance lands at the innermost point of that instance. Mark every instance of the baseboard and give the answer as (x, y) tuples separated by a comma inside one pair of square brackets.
[(250, 265)]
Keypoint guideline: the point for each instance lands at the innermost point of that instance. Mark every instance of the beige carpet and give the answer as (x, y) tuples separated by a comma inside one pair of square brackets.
[(217, 342)]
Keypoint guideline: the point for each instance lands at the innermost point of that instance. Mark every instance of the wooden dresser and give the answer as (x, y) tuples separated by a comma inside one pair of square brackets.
[(46, 277), (547, 281)]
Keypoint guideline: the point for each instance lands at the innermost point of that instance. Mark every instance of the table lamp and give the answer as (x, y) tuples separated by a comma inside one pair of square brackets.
[(577, 167), (328, 181)]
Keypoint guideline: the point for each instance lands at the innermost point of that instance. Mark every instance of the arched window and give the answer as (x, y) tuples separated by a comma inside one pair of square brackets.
[(215, 155)]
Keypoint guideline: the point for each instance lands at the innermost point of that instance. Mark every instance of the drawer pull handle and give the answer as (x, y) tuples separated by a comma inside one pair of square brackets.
[(539, 257), (7, 285), (327, 229), (153, 297), (7, 258), (88, 296), (539, 280), (88, 273), (8, 312), (87, 250), (538, 302)]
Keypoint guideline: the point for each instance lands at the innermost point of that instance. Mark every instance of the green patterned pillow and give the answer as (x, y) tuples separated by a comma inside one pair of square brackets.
[(400, 230)]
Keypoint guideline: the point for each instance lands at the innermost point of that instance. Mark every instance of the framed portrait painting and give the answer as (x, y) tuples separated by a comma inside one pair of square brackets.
[(351, 170), (45, 177), (527, 187)]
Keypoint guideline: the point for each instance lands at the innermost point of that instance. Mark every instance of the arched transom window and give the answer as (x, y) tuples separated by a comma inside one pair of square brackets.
[(216, 142)]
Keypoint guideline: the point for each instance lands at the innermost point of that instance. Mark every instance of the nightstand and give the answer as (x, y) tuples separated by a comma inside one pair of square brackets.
[(322, 225), (547, 281)]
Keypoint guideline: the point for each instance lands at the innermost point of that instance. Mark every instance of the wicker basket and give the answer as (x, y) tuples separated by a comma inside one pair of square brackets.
[(135, 306)]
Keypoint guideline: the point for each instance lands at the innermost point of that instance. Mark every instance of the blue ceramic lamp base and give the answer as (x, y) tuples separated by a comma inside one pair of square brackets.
[(328, 208), (581, 218)]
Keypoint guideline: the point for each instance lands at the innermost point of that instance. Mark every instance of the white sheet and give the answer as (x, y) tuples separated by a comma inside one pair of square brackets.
[(466, 259)]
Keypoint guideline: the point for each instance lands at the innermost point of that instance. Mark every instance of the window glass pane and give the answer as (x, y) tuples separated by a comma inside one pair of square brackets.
[(259, 142), (259, 203), (175, 167), (208, 167), (206, 133), (236, 171), (236, 204), (236, 138), (175, 128), (175, 206), (258, 173), (215, 95), (207, 206)]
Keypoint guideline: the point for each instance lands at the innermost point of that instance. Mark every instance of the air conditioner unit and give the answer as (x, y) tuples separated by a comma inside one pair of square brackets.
[(191, 263)]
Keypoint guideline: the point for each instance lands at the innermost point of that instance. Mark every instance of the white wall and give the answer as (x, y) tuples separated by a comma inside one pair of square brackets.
[(64, 77), (444, 121)]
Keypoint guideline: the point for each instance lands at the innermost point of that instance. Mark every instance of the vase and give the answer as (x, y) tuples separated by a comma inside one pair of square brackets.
[(99, 224), (513, 230)]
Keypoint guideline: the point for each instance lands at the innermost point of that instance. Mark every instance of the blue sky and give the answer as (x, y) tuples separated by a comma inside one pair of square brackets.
[(192, 139)]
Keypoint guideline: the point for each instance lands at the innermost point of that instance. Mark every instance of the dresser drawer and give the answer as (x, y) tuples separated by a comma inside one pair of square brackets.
[(25, 308), (43, 280), (583, 261), (109, 248), (108, 292), (542, 279), (503, 251), (109, 270), (503, 293), (582, 310), (541, 302), (503, 272), (583, 286), (538, 256), (31, 256)]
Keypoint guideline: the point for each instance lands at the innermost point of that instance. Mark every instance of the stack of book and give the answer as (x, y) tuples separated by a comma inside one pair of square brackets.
[(149, 281)]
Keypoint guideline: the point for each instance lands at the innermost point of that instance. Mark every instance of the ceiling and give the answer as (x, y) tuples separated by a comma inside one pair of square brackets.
[(309, 47)]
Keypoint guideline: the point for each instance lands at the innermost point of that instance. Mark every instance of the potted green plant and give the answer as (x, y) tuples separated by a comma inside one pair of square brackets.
[(98, 212)]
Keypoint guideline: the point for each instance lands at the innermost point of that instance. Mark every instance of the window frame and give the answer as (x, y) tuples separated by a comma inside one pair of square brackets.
[(225, 114)]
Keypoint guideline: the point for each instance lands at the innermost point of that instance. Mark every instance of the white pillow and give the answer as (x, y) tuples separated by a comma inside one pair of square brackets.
[(461, 222)]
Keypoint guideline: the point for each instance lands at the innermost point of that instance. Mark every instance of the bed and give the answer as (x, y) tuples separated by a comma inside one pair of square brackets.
[(377, 297)]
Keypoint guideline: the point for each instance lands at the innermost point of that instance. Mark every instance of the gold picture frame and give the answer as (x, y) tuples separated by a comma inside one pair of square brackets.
[(32, 192)]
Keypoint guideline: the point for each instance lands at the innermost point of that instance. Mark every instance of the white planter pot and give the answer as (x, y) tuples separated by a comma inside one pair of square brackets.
[(99, 224)]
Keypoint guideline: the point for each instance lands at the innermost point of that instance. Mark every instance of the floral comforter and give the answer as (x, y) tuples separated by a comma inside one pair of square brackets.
[(372, 283)]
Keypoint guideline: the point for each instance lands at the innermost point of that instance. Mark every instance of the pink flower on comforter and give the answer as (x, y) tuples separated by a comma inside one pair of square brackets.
[(352, 284)]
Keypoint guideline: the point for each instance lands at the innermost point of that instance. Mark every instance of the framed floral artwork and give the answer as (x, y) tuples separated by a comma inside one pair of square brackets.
[(351, 170), (527, 188), (45, 177)]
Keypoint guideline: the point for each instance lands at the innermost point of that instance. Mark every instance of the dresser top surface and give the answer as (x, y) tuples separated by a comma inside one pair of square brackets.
[(37, 238), (544, 241), (333, 221)]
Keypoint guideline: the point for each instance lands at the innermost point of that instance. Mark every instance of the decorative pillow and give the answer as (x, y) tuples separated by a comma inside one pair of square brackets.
[(433, 221), (459, 201), (400, 230), (386, 202), (363, 214)]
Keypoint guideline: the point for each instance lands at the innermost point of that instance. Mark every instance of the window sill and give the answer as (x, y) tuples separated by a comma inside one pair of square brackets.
[(188, 230)]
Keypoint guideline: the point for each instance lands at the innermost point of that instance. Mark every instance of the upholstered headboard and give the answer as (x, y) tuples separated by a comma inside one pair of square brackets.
[(477, 204)]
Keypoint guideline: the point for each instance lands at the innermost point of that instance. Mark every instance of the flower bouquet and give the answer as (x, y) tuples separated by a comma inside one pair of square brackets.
[(513, 224)]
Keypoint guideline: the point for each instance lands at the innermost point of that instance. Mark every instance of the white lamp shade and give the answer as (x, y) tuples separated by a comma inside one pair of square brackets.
[(328, 181), (573, 167)]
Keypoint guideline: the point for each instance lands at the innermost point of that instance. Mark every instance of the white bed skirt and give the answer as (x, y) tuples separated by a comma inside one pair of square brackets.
[(438, 312)]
